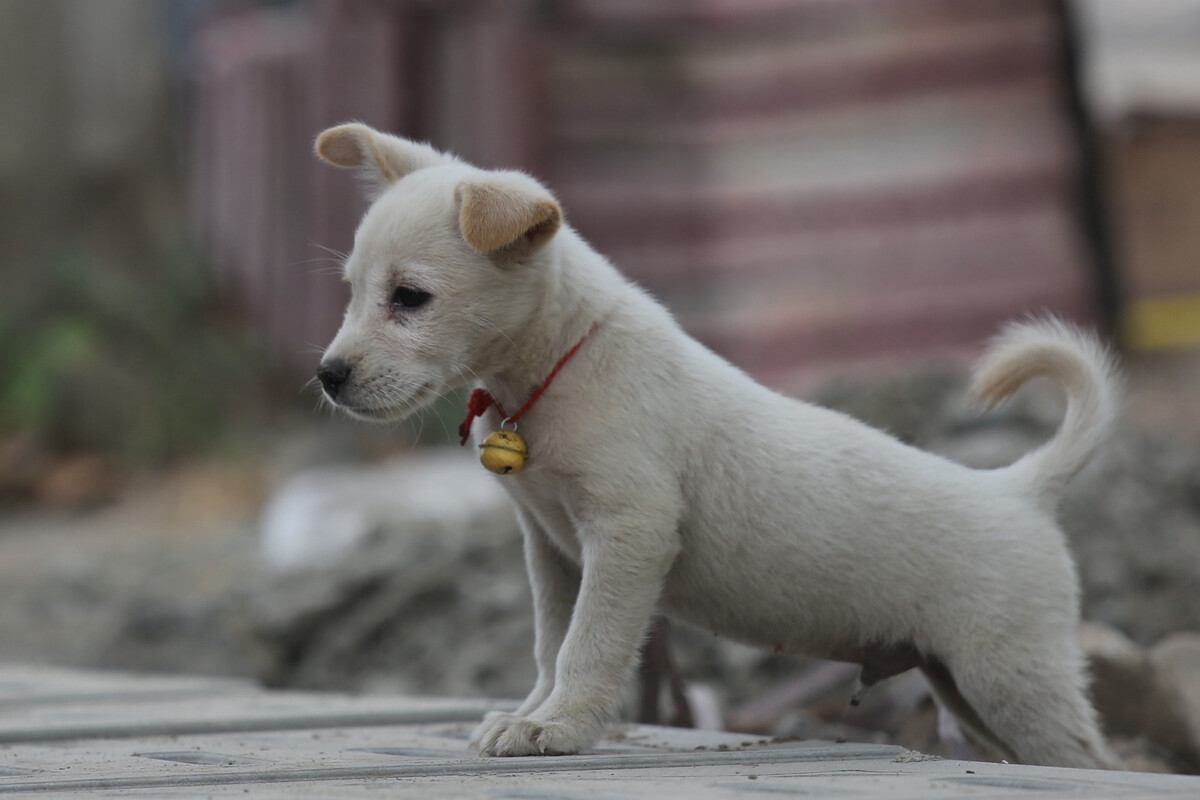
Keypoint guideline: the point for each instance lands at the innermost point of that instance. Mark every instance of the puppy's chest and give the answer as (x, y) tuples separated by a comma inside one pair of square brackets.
[(545, 504)]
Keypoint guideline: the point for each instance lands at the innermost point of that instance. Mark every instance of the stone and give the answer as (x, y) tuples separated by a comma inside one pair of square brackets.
[(1123, 685), (1176, 661), (1136, 699)]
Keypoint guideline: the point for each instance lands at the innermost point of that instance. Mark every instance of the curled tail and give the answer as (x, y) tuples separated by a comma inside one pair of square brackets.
[(1084, 368)]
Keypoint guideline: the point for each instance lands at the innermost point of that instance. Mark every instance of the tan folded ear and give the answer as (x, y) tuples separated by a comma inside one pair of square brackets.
[(506, 209), (381, 158)]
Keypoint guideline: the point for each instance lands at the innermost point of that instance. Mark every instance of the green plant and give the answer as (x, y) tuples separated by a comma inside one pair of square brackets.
[(94, 358)]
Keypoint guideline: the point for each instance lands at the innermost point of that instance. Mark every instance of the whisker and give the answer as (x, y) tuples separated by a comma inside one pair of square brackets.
[(315, 260), (323, 270), (311, 348), (334, 261), (331, 251)]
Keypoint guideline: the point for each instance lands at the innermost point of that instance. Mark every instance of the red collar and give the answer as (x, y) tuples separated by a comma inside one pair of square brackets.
[(481, 399)]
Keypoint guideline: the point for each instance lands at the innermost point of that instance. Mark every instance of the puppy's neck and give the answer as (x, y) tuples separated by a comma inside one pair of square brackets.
[(533, 368), (575, 298)]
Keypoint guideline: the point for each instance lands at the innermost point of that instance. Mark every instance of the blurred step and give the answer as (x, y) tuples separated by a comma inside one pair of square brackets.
[(69, 733)]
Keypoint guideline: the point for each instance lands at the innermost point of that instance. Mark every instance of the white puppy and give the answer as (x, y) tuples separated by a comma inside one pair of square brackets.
[(661, 478)]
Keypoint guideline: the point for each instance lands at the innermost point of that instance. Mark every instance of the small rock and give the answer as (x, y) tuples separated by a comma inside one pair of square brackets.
[(1135, 703), (1123, 685), (1176, 660)]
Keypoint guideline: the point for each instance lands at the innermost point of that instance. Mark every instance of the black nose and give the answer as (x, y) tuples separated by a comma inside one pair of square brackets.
[(332, 375)]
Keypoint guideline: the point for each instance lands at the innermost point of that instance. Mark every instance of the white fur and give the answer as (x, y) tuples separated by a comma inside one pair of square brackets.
[(662, 478)]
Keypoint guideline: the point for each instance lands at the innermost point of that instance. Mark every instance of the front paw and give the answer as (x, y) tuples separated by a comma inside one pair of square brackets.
[(490, 720), (509, 735)]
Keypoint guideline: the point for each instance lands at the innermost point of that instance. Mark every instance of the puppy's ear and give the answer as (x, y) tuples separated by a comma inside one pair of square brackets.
[(506, 210), (382, 159)]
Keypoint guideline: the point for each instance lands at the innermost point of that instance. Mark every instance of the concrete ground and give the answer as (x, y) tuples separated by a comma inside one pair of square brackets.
[(105, 734)]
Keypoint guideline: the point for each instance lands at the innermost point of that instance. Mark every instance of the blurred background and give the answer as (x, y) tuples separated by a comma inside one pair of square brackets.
[(843, 197)]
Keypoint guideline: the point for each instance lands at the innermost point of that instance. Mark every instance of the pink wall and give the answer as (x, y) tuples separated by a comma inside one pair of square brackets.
[(812, 185)]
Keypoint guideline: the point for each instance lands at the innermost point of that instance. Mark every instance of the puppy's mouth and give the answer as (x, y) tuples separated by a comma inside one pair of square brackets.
[(378, 415), (420, 397)]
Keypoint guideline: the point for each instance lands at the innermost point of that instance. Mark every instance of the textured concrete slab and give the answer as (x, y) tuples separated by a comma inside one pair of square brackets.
[(58, 705), (71, 733), (40, 685)]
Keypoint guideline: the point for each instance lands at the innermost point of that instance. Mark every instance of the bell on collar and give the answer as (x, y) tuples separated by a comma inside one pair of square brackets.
[(503, 452)]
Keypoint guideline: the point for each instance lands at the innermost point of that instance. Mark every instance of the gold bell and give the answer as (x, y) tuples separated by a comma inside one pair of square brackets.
[(503, 452)]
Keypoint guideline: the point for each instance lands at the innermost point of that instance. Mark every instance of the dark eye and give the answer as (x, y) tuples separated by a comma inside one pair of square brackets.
[(406, 297)]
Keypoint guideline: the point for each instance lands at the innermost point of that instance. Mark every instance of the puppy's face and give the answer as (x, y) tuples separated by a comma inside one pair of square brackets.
[(445, 265)]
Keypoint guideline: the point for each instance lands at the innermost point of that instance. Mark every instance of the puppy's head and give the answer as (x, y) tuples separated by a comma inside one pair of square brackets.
[(448, 263)]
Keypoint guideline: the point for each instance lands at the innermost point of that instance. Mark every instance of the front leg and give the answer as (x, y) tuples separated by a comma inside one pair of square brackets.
[(555, 584), (624, 565)]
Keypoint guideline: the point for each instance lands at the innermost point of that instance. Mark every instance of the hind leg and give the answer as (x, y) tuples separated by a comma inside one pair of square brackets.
[(1029, 700), (985, 743)]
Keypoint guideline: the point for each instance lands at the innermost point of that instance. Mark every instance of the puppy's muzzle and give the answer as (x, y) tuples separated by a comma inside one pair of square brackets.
[(333, 375)]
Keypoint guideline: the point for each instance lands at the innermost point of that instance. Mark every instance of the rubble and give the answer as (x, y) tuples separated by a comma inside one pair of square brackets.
[(1138, 698), (1176, 662), (441, 606), (406, 575)]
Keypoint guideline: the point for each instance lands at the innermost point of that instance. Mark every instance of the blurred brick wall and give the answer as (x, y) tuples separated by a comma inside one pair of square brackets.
[(811, 185), (816, 184), (268, 80), (265, 82), (85, 149)]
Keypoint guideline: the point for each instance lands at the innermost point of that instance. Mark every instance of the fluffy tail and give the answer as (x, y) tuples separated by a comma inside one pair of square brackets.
[(1087, 372)]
